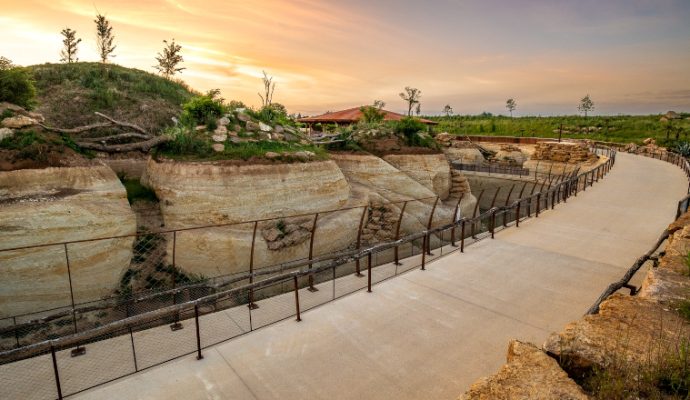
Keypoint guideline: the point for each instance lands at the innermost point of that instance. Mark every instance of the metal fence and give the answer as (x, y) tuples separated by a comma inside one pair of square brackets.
[(186, 319), (491, 169)]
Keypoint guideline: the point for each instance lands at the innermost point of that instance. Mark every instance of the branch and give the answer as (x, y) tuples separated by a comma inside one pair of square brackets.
[(125, 124), (121, 136), (78, 129), (120, 148)]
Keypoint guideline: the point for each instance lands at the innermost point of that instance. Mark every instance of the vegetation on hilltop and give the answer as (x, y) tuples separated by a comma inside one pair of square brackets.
[(620, 128), (69, 94)]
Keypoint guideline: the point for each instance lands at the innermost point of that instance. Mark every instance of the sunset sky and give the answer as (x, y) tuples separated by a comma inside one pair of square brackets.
[(631, 56)]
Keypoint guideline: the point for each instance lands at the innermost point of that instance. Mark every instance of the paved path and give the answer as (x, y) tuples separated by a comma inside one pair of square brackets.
[(430, 334)]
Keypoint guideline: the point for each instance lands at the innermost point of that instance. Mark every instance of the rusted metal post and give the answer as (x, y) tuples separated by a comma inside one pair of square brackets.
[(517, 214), (474, 213), (198, 333), (455, 218), (369, 272), (505, 214), (176, 325), (462, 236), (397, 231), (493, 223), (358, 273), (297, 298), (16, 332), (56, 372), (79, 350), (554, 196), (538, 204), (251, 304), (428, 226), (424, 251), (311, 253)]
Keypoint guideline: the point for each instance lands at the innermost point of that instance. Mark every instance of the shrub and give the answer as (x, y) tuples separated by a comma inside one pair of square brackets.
[(186, 142), (203, 110), (410, 127), (683, 148), (371, 114), (17, 87)]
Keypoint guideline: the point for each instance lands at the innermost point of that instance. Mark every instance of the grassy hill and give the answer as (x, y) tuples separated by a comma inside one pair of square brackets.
[(69, 94), (619, 128)]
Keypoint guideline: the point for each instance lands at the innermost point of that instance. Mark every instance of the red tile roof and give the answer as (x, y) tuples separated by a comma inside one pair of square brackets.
[(353, 115)]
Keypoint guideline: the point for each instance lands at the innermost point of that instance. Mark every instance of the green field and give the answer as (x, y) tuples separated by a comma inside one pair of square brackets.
[(620, 128)]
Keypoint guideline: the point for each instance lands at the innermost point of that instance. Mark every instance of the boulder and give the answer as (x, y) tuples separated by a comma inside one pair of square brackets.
[(18, 122), (5, 133), (225, 121), (243, 117), (278, 129), (264, 127), (672, 115), (304, 155), (221, 130), (529, 374), (271, 155), (220, 137), (218, 147), (252, 126)]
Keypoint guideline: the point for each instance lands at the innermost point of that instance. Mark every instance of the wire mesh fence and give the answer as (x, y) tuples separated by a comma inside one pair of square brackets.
[(163, 313)]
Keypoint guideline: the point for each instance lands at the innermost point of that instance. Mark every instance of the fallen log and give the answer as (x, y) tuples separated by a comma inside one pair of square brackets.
[(120, 136), (79, 129), (123, 124), (118, 148)]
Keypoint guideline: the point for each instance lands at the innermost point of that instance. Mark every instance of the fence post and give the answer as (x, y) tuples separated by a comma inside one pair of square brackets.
[(505, 214), (79, 350), (462, 236), (455, 218), (474, 213), (424, 251), (198, 334), (538, 203), (428, 226), (493, 223), (311, 253), (251, 269), (55, 371), (358, 273), (297, 298), (369, 272), (517, 214), (134, 350), (397, 232)]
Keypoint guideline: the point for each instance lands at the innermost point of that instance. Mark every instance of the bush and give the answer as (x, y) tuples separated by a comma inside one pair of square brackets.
[(409, 127), (203, 110), (17, 87), (186, 142)]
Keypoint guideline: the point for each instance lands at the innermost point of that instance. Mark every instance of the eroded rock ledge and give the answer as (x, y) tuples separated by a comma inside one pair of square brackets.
[(635, 333)]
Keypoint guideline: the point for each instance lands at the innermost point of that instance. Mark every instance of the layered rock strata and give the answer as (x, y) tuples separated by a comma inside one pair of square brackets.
[(55, 205)]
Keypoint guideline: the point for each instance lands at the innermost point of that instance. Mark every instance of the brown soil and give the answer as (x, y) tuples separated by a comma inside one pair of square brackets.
[(48, 152)]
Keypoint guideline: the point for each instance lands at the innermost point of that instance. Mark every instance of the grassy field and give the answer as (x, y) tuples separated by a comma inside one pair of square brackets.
[(622, 129)]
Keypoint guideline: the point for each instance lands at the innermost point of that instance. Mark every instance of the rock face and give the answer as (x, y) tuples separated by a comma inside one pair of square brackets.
[(431, 170), (18, 122), (198, 194), (55, 205), (565, 152), (511, 154), (529, 374), (468, 155)]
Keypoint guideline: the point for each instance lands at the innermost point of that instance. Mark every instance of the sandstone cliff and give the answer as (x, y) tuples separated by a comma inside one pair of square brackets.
[(198, 194), (55, 205)]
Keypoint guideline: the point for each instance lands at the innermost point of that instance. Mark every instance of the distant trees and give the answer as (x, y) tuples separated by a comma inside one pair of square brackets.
[(373, 113), (586, 105), (5, 63), (70, 43), (511, 105), (411, 96), (448, 110), (169, 60), (269, 88), (104, 38), (418, 109)]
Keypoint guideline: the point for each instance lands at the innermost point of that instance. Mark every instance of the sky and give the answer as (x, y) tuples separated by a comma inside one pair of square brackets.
[(630, 56)]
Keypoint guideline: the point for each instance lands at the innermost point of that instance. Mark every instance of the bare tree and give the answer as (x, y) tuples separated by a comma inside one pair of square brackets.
[(511, 105), (168, 61), (69, 52), (373, 113), (5, 63), (448, 110), (586, 105), (379, 104), (104, 38), (418, 109), (411, 96), (269, 88)]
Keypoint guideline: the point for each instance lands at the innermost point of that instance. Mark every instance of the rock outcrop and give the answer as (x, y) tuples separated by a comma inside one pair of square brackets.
[(431, 170), (511, 155), (465, 155), (564, 152), (194, 194), (55, 205), (529, 374)]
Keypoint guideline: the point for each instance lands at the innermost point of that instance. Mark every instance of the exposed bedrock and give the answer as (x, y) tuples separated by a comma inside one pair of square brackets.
[(199, 194), (55, 205)]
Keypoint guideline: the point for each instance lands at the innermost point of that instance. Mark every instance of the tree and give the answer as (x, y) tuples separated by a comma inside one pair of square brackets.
[(168, 61), (5, 63), (511, 105), (69, 52), (411, 96), (16, 85), (269, 88), (373, 113), (586, 105), (418, 109), (104, 38), (448, 110)]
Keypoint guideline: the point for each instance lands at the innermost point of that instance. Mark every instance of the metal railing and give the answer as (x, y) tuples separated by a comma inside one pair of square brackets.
[(182, 325), (683, 204), (491, 169)]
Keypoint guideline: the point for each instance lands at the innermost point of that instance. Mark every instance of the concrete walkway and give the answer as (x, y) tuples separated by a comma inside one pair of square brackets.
[(430, 334)]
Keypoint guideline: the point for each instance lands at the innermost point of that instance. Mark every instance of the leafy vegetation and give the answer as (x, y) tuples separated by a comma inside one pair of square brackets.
[(137, 191), (410, 128), (236, 151), (620, 128), (203, 110), (17, 86)]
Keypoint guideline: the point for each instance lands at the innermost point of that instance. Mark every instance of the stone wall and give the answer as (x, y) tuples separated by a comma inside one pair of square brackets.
[(564, 152), (638, 333), (55, 205)]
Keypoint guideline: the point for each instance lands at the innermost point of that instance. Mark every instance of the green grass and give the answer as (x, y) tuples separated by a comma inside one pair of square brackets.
[(242, 151), (622, 129)]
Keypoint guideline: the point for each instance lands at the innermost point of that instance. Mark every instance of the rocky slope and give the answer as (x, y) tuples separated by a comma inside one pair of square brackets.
[(55, 205)]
